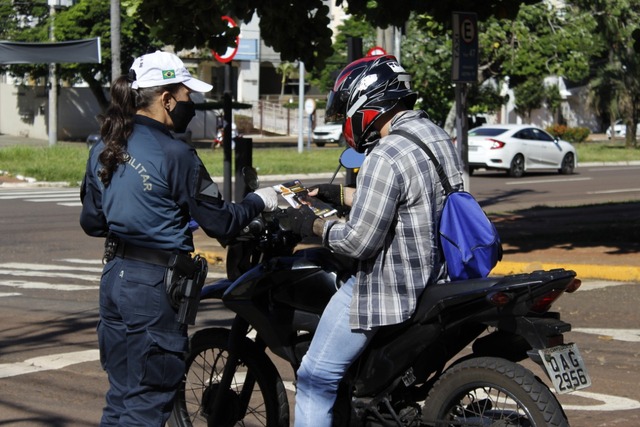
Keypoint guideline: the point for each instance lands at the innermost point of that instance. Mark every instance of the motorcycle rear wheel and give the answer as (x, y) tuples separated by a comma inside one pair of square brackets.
[(208, 353), (491, 391)]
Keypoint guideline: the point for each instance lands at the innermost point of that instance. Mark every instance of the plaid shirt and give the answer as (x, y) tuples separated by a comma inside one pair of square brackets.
[(391, 229)]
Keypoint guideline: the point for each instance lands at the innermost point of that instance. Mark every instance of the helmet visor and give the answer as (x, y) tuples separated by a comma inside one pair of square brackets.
[(336, 107)]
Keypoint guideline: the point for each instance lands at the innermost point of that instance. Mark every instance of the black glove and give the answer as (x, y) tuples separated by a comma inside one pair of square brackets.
[(301, 220), (330, 193)]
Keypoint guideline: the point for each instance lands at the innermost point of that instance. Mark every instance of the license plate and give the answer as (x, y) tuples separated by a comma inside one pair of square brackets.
[(565, 368)]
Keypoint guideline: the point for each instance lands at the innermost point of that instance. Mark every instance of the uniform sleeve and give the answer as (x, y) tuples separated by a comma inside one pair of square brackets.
[(194, 190), (92, 219), (373, 212)]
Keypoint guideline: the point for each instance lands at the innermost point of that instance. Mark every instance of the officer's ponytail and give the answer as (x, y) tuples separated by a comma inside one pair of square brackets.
[(117, 125)]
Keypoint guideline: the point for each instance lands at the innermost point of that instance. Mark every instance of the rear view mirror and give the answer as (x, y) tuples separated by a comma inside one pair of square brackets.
[(351, 159)]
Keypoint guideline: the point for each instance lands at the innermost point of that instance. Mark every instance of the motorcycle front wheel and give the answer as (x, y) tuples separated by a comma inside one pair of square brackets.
[(491, 391), (257, 396)]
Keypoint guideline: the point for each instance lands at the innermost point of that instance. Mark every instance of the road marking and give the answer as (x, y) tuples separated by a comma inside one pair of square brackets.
[(70, 197), (22, 284), (87, 271), (628, 335), (608, 403), (545, 181), (613, 169), (47, 363), (38, 195), (9, 294), (621, 190)]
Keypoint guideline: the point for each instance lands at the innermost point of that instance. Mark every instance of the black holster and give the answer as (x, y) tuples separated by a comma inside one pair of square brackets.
[(183, 281)]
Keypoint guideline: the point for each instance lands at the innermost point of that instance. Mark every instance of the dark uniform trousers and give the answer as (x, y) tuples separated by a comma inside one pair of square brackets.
[(143, 343)]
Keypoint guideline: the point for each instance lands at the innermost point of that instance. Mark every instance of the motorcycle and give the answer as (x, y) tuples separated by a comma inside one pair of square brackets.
[(456, 362)]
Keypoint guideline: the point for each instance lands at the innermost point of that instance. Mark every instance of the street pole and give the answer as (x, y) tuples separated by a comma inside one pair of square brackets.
[(301, 108), (53, 83), (226, 137), (116, 68)]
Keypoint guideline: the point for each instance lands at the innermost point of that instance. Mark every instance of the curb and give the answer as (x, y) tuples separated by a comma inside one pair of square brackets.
[(617, 273)]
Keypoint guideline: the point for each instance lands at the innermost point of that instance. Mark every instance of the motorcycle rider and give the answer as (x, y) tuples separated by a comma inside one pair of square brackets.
[(391, 228), (141, 189)]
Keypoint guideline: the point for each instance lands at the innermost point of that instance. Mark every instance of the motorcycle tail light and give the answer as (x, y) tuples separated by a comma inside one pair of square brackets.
[(573, 286), (496, 144), (543, 303)]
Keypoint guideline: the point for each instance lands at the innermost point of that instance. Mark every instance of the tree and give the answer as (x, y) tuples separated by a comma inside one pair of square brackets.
[(353, 27), (616, 83), (539, 42), (529, 96), (286, 70), (297, 29), (85, 19)]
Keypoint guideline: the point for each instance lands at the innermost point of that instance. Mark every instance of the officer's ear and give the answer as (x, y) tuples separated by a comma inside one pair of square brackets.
[(166, 98)]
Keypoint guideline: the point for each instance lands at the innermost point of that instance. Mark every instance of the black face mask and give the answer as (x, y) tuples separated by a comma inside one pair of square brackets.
[(182, 114)]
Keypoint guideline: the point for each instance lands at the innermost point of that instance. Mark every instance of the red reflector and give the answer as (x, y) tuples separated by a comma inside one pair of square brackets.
[(573, 286), (499, 299)]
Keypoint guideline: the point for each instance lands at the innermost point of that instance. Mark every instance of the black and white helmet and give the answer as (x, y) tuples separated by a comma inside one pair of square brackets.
[(365, 90)]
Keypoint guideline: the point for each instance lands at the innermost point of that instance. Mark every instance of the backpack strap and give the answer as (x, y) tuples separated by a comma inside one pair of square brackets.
[(439, 169)]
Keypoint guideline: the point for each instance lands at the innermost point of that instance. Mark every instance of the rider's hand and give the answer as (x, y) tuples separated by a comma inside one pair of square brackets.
[(330, 193), (270, 198), (301, 220)]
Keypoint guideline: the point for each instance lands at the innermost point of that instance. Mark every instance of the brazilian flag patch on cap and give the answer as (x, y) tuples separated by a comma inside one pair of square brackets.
[(168, 74)]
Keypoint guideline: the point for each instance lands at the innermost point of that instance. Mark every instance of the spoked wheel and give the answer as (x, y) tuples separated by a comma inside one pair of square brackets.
[(257, 396), (491, 392)]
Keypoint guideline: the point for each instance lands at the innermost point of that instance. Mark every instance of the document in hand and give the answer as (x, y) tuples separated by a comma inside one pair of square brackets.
[(296, 195)]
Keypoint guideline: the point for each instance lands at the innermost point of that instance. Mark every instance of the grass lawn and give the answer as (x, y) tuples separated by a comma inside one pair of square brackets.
[(66, 161)]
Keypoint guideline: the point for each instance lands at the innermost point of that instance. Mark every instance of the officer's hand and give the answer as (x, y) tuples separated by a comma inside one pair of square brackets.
[(301, 220), (269, 197)]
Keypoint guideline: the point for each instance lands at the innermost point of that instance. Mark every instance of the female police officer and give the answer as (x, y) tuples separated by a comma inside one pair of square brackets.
[(140, 191)]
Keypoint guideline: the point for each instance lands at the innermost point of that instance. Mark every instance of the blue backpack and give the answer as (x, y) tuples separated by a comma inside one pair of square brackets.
[(468, 239)]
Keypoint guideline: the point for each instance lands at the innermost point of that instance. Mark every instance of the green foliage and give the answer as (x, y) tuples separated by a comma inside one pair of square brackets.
[(323, 78), (382, 13), (428, 60), (529, 96), (615, 88), (297, 29)]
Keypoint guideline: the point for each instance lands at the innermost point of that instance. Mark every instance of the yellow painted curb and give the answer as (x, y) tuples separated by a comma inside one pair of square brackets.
[(617, 273)]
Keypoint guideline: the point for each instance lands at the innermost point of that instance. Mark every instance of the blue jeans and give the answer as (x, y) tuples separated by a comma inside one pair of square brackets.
[(333, 348), (141, 344)]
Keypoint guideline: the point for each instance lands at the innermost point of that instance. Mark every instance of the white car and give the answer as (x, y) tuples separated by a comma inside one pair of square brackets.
[(519, 148), (620, 130), (328, 133)]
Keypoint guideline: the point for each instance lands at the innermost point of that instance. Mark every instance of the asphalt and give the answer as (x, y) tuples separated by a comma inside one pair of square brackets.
[(600, 243)]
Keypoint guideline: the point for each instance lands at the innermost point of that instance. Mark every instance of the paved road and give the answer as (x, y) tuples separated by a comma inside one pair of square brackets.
[(49, 369)]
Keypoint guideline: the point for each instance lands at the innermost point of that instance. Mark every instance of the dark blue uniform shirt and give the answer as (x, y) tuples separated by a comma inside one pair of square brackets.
[(152, 197)]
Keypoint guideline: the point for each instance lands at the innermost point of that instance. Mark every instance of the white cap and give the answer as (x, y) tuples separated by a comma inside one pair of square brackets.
[(164, 68)]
